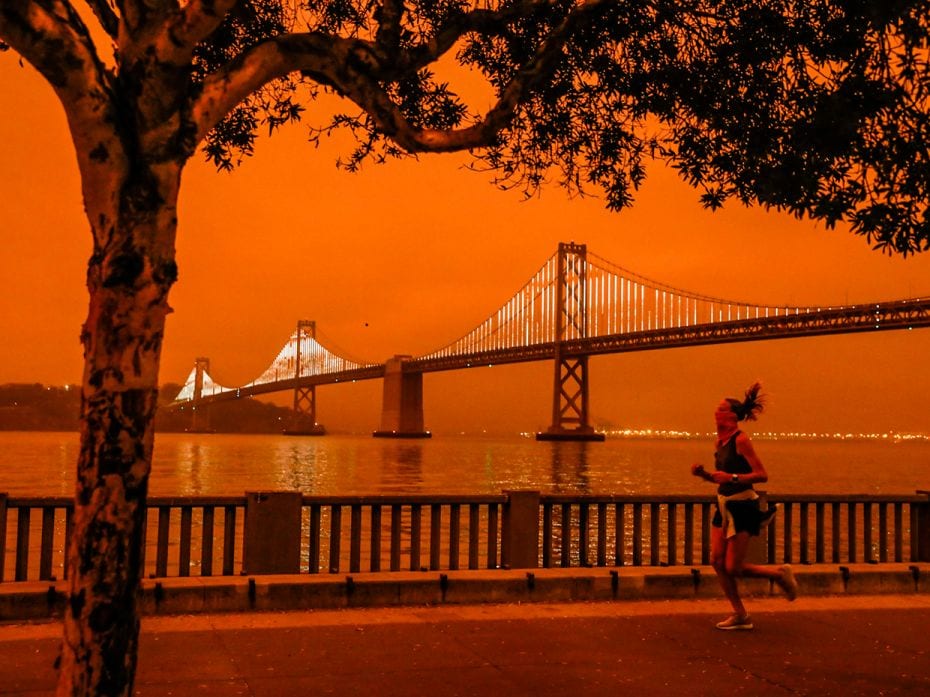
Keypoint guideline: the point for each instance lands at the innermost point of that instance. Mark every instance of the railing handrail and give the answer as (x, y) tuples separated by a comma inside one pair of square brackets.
[(151, 501), (445, 499), (402, 499), (846, 498)]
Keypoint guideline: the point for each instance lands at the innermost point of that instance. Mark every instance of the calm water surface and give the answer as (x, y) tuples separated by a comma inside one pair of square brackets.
[(213, 464)]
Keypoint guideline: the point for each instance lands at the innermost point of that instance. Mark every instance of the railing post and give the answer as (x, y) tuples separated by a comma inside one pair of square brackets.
[(923, 528), (272, 532), (520, 538), (23, 516), (3, 509)]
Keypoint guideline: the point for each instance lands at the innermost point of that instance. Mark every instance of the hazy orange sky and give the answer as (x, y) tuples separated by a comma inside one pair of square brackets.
[(406, 257)]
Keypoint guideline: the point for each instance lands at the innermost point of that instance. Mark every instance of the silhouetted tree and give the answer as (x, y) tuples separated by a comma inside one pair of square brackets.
[(818, 107)]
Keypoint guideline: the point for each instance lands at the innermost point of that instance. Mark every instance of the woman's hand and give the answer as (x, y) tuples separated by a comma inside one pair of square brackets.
[(697, 470)]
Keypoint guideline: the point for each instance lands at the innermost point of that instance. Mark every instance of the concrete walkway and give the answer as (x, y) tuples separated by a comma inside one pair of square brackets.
[(851, 645)]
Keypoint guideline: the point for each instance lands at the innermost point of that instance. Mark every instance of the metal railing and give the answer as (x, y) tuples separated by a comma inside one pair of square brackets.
[(207, 536), (398, 533), (672, 530)]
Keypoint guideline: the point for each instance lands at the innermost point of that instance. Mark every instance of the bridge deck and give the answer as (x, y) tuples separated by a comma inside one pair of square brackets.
[(885, 316)]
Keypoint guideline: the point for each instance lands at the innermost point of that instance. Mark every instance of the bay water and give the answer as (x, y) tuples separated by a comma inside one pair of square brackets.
[(43, 464)]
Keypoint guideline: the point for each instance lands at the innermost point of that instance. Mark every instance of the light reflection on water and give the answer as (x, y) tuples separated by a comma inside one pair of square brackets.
[(217, 464)]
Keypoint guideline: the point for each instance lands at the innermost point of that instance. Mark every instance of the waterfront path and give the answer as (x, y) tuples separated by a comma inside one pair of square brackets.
[(824, 645)]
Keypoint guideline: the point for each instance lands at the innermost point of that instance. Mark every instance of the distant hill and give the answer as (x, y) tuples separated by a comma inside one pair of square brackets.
[(35, 407)]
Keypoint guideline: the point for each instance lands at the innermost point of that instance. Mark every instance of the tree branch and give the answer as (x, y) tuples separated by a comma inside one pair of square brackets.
[(389, 16), (355, 69), (106, 15), (487, 22), (142, 16), (191, 24), (391, 121), (53, 38), (316, 54)]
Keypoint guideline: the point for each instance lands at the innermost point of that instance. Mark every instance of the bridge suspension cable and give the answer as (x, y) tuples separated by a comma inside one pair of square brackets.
[(301, 356), (616, 301), (621, 301)]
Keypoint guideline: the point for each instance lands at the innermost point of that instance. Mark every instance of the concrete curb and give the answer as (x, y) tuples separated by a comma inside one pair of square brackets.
[(173, 596)]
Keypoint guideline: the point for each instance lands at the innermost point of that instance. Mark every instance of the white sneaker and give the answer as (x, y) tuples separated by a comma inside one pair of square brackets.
[(735, 622)]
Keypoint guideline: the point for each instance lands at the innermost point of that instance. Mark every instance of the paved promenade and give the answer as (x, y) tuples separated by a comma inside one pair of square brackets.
[(851, 645)]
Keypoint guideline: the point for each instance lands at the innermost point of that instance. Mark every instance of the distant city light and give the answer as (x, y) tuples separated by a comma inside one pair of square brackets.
[(891, 436)]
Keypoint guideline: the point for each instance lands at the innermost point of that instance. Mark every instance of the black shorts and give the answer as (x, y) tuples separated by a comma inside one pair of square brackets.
[(746, 516)]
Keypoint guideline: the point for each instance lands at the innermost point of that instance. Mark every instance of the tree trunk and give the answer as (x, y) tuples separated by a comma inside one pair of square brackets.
[(128, 279)]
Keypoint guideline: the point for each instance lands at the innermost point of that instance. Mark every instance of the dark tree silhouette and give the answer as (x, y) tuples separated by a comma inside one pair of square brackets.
[(818, 107)]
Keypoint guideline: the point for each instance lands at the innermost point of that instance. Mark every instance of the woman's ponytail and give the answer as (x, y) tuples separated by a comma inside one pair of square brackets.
[(752, 405)]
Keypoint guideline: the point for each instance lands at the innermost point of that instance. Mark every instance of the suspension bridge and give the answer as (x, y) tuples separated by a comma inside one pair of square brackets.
[(577, 305)]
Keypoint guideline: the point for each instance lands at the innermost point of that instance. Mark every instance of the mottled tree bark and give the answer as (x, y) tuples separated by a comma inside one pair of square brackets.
[(128, 280)]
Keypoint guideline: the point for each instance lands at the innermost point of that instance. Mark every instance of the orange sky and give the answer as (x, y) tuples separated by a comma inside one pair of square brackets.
[(406, 257)]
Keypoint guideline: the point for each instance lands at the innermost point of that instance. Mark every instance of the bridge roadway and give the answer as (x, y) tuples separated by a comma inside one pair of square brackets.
[(897, 314)]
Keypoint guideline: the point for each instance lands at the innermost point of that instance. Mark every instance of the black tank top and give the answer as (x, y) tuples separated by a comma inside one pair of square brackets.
[(726, 459)]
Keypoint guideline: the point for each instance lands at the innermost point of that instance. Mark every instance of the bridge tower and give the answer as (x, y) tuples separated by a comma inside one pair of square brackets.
[(200, 413), (570, 386), (303, 419)]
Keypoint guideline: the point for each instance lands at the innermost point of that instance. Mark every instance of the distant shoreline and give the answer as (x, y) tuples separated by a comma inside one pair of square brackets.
[(631, 434), (40, 408)]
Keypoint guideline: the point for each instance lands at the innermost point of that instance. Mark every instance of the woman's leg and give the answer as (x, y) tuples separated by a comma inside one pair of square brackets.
[(736, 564), (737, 546), (720, 554)]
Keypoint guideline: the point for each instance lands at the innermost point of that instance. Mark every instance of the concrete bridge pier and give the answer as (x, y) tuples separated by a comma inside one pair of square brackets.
[(402, 402)]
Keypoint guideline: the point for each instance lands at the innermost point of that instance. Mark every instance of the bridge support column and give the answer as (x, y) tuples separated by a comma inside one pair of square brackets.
[(200, 413), (303, 420), (570, 402), (570, 390), (402, 402)]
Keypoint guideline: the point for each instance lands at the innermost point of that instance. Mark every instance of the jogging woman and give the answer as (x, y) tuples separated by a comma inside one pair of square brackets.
[(738, 517)]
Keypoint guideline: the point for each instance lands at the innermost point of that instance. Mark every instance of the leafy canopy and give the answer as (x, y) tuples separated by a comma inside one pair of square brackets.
[(816, 107)]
